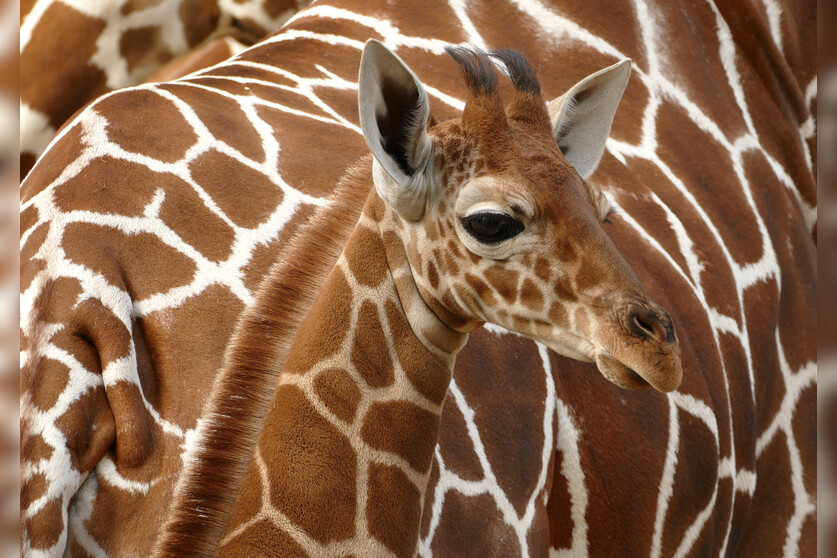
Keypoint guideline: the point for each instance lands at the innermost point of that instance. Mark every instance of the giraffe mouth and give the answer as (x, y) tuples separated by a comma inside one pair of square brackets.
[(661, 370), (618, 373), (635, 367)]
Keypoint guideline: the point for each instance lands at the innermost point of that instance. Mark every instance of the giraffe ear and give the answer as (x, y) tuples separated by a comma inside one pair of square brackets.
[(394, 111), (581, 117)]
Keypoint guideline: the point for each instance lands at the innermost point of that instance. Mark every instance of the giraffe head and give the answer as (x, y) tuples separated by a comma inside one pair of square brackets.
[(497, 220)]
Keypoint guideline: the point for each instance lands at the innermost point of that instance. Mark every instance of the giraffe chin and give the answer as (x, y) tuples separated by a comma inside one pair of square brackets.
[(628, 378)]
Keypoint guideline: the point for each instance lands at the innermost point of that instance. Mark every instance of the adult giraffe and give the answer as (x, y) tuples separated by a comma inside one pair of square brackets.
[(146, 314), (72, 51)]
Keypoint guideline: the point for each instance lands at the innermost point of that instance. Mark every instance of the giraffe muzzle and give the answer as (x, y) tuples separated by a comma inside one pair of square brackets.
[(641, 349)]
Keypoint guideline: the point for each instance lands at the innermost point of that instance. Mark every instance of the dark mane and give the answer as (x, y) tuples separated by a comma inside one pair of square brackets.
[(253, 362)]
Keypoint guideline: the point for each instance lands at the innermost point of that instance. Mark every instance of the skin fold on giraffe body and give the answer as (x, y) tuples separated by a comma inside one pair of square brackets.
[(346, 445), (149, 225)]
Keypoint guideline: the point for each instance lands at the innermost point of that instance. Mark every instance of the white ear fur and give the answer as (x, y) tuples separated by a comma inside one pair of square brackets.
[(581, 117), (394, 111)]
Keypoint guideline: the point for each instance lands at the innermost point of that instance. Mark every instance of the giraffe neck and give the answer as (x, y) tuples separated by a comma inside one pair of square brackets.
[(344, 456)]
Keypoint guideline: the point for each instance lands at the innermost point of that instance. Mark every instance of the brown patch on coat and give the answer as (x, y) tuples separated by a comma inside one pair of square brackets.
[(796, 258), (35, 449), (364, 254), (248, 502), (261, 540), (393, 509), (432, 275), (711, 180), (804, 429), (131, 6), (113, 186), (559, 506), (48, 384), (370, 351), (317, 340), (44, 528), (482, 289), (743, 417), (275, 8), (543, 269), (227, 181), (693, 48), (503, 280), (63, 42), (531, 296), (337, 149), (402, 428), (37, 486), (337, 390), (134, 424), (629, 186), (772, 502), (430, 496), (623, 421), (136, 46), (163, 267), (696, 468), (218, 309), (318, 467), (450, 262), (199, 18), (455, 445), (424, 370), (463, 528), (761, 309)]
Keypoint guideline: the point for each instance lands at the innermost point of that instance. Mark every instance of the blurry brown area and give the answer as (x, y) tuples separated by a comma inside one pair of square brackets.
[(9, 265), (827, 277)]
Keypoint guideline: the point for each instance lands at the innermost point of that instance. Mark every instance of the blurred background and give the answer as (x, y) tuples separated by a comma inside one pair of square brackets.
[(9, 202), (827, 279)]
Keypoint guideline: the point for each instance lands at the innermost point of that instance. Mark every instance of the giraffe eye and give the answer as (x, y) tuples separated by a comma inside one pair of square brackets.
[(489, 227)]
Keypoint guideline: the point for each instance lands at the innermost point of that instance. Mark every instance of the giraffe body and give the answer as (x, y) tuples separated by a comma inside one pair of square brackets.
[(73, 52), (725, 247)]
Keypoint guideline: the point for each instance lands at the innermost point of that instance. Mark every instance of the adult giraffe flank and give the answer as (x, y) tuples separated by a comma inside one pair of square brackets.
[(458, 211), (129, 295), (72, 51)]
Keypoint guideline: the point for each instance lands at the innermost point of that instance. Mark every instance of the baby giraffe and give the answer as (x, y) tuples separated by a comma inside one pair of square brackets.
[(486, 218)]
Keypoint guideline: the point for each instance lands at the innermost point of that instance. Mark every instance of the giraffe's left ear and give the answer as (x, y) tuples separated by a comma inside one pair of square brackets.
[(581, 117), (394, 111)]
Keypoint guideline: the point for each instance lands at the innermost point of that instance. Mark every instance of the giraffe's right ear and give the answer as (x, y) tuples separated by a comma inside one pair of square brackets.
[(393, 116)]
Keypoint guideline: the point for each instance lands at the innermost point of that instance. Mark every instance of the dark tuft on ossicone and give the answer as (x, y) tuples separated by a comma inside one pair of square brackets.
[(477, 69), (520, 71)]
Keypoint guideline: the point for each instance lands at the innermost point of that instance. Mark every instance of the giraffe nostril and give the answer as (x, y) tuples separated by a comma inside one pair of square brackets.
[(648, 329), (649, 325)]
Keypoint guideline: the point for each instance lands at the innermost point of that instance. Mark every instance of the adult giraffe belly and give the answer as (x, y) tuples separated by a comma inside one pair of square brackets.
[(148, 226)]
